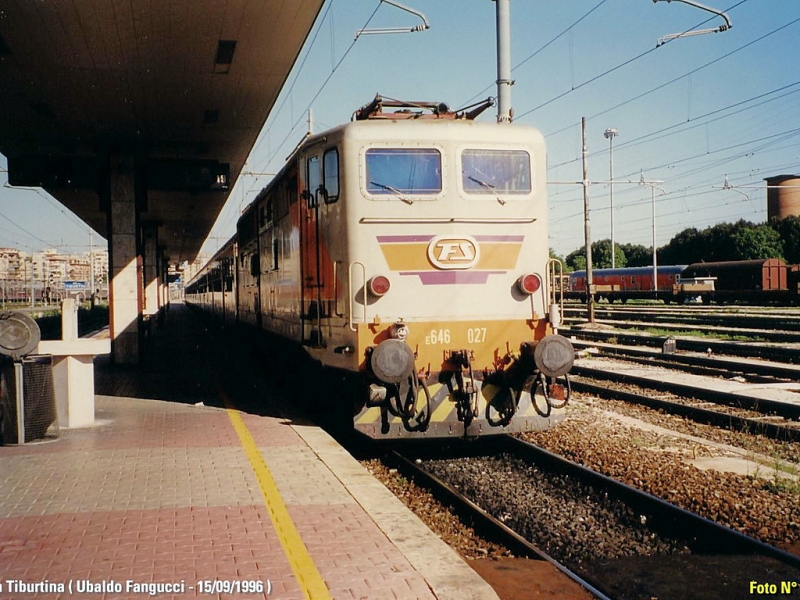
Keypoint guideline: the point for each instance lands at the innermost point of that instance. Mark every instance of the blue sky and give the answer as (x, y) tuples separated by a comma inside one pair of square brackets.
[(688, 113)]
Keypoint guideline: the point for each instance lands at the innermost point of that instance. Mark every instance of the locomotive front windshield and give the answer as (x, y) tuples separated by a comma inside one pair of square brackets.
[(411, 171), (496, 171)]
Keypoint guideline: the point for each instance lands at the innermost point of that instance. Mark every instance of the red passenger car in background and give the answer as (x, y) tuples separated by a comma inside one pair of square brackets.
[(627, 283)]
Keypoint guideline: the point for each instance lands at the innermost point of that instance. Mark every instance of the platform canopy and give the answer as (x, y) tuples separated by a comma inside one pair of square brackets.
[(183, 86)]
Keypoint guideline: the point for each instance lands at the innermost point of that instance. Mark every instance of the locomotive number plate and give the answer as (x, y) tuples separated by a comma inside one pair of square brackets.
[(474, 335)]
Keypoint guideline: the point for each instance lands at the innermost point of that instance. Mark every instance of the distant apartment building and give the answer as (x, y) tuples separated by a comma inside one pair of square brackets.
[(50, 275)]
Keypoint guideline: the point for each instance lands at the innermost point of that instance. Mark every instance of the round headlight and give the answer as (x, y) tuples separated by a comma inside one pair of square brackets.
[(392, 361), (554, 355)]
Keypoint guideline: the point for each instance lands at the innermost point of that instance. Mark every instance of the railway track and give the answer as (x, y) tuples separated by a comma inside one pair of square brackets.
[(724, 569), (753, 370), (699, 414), (747, 349), (780, 327), (617, 541), (702, 388), (785, 320), (738, 333)]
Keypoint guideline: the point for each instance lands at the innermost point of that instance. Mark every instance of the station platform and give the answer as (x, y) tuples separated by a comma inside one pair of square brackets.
[(172, 493)]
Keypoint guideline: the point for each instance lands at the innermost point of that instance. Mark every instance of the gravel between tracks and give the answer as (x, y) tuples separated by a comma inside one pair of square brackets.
[(565, 518), (764, 504), (766, 507), (435, 515)]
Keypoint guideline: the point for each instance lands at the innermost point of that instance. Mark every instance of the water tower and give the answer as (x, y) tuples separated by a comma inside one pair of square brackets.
[(783, 196)]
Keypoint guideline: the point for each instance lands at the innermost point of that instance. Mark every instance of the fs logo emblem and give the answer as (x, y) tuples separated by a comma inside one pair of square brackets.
[(446, 252)]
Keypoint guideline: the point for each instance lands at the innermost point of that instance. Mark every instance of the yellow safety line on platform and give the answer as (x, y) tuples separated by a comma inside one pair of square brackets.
[(308, 577)]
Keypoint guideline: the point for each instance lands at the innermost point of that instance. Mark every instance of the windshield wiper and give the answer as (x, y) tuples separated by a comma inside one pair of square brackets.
[(481, 182), (488, 186), (394, 190)]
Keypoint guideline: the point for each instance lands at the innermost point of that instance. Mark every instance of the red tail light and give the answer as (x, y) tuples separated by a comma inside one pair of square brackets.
[(529, 283), (378, 285)]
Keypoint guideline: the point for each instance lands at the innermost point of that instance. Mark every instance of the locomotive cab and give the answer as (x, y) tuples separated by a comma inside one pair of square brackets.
[(436, 256), (407, 251)]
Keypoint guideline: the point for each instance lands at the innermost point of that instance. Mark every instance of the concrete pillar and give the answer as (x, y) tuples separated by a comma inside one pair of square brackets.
[(162, 290), (151, 280), (163, 285), (125, 279)]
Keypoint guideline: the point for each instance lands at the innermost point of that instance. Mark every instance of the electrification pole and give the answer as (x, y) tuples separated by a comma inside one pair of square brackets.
[(586, 228), (504, 111), (92, 282), (652, 185), (610, 133)]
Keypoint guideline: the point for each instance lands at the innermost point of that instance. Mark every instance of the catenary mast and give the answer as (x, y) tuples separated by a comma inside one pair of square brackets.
[(504, 81)]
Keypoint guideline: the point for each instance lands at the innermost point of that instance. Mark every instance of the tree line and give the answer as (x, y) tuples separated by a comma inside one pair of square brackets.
[(743, 240)]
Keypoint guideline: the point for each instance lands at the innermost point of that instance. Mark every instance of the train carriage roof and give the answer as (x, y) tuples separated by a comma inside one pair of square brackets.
[(706, 268), (634, 271)]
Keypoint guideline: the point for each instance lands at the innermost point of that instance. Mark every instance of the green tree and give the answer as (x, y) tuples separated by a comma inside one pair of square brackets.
[(576, 260), (601, 255), (636, 255), (683, 249), (718, 242), (556, 256), (758, 241), (789, 230), (742, 240)]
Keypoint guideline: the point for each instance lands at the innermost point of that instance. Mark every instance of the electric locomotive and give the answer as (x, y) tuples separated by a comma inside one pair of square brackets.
[(407, 251)]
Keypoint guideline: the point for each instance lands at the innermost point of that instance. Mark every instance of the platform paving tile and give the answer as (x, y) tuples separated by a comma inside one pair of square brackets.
[(331, 533), (125, 479), (136, 423), (270, 432), (162, 553), (164, 492), (183, 513), (302, 478)]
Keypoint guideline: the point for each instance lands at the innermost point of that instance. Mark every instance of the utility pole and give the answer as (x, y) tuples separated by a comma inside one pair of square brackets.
[(655, 244), (33, 301), (610, 133), (504, 81), (586, 229), (5, 279), (92, 282), (586, 183), (652, 185)]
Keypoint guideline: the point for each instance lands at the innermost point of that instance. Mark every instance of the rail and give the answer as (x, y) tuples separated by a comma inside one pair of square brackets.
[(700, 536), (737, 400), (485, 523)]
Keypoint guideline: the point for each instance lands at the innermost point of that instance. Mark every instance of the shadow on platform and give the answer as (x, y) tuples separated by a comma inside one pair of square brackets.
[(191, 359)]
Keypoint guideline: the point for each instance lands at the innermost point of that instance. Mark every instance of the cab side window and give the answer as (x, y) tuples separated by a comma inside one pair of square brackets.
[(330, 175)]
